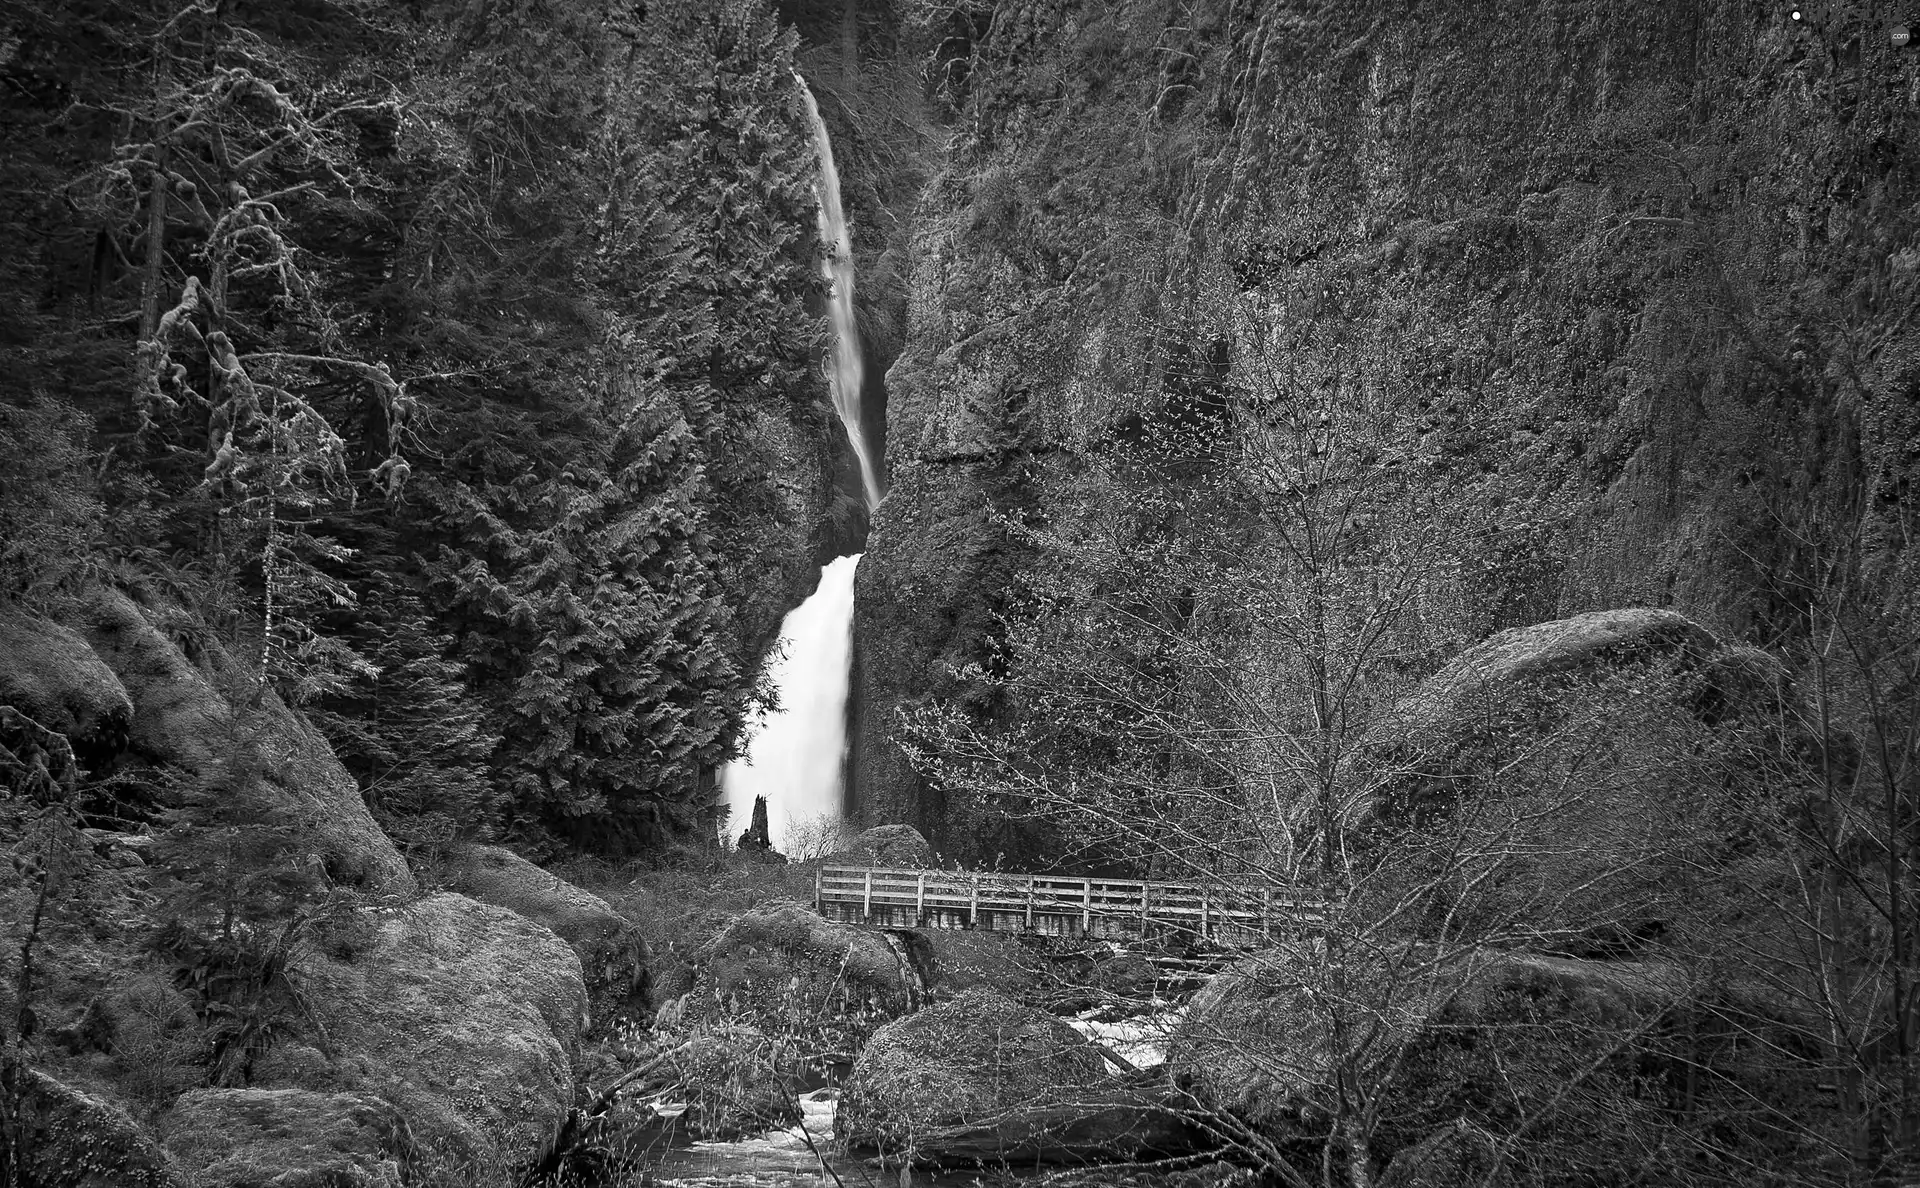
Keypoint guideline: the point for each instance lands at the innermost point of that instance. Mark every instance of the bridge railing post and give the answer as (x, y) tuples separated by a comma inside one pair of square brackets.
[(1029, 903), (973, 904), (920, 900), (866, 897), (819, 891), (1086, 907)]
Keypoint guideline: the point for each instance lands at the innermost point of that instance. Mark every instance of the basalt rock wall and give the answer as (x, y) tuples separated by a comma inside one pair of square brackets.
[(1645, 269)]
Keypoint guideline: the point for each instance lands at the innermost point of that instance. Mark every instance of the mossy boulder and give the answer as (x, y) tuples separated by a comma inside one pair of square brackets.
[(783, 956), (1453, 1156), (613, 954), (1581, 1054), (75, 1139), (287, 1138), (50, 674), (981, 1078), (1591, 762), (185, 719), (465, 1016), (889, 845)]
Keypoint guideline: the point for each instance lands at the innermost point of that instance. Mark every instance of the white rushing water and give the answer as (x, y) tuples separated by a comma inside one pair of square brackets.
[(847, 373), (795, 757)]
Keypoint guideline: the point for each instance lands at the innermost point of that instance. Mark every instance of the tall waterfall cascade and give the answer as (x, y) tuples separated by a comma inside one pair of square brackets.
[(848, 373), (796, 754)]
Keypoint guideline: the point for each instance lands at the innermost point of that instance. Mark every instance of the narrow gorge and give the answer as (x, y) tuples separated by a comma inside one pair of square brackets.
[(1166, 593)]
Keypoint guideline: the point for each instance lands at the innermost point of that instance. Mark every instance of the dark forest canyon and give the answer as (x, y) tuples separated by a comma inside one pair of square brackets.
[(1454, 463)]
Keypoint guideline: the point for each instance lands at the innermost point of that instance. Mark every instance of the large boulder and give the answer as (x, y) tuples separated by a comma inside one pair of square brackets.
[(889, 845), (73, 1139), (613, 954), (1587, 763), (783, 955), (464, 1015), (1580, 1056), (184, 717), (287, 1138), (1260, 1039), (1431, 748), (50, 674), (981, 1078)]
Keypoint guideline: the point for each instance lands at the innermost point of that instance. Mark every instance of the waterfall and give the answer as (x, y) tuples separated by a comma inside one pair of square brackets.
[(795, 756), (847, 373)]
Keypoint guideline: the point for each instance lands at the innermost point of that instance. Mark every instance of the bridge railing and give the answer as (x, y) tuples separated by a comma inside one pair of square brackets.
[(1049, 903)]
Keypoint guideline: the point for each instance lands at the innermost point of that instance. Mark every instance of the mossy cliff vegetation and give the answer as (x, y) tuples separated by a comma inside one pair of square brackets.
[(452, 364), (410, 438)]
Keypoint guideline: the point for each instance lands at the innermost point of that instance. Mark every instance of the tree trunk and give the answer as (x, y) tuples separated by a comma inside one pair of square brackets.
[(154, 273)]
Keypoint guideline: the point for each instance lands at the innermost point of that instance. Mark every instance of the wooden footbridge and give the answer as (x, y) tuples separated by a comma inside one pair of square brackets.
[(1110, 909)]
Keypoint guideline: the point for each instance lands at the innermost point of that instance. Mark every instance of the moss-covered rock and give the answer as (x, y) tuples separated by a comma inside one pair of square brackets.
[(51, 674), (287, 1138), (73, 1139), (466, 1017), (1591, 762), (981, 1078), (1580, 1054), (784, 956), (889, 845), (184, 719), (613, 954)]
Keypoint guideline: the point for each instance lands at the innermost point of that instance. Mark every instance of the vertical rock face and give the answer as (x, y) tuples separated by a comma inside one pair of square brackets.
[(1619, 262)]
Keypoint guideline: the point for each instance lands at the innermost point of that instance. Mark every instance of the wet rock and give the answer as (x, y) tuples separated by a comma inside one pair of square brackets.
[(464, 1015), (613, 954), (288, 1138)]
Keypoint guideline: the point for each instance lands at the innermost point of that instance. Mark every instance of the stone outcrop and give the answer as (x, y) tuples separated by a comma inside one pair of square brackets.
[(287, 1138), (613, 954), (184, 717), (1512, 692), (466, 1017), (981, 1078), (1393, 199)]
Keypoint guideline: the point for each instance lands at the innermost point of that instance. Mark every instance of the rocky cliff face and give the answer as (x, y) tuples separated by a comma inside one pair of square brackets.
[(1643, 276)]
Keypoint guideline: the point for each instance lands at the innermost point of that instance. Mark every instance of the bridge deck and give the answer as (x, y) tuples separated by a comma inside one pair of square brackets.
[(1111, 908)]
